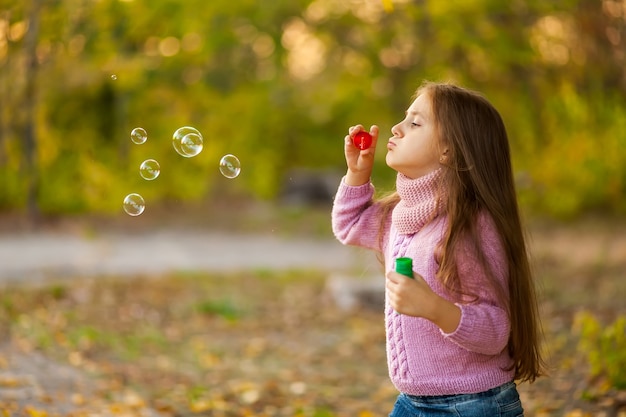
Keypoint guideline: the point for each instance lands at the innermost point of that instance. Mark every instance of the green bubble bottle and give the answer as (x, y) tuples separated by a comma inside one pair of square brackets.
[(404, 266)]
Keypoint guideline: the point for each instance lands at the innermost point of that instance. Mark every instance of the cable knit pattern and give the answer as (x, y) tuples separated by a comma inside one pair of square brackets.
[(422, 359), (396, 352)]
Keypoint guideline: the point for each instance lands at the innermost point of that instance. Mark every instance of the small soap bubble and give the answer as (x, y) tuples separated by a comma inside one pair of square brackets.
[(230, 167), (114, 77), (138, 135), (149, 169), (134, 204), (187, 141)]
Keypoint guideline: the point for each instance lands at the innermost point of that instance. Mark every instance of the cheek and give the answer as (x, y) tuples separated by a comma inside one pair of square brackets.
[(433, 148)]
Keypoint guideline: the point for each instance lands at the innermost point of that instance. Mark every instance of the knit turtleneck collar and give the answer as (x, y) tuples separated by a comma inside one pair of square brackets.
[(420, 201)]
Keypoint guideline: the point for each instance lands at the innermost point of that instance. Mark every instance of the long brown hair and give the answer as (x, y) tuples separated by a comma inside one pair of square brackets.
[(478, 177)]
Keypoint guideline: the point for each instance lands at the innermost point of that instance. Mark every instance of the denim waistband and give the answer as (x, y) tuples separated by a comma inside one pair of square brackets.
[(443, 399)]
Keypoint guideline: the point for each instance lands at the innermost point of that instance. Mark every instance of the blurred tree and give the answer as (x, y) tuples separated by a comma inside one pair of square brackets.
[(29, 108), (278, 86)]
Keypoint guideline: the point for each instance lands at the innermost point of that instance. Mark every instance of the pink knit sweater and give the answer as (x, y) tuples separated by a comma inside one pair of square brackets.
[(422, 359)]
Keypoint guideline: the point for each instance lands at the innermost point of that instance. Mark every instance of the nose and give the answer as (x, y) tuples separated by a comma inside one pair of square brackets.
[(396, 131)]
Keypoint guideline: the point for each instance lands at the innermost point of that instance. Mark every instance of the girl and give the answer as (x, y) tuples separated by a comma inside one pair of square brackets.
[(466, 326)]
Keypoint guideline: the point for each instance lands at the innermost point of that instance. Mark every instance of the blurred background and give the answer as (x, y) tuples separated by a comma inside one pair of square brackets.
[(283, 323), (278, 83)]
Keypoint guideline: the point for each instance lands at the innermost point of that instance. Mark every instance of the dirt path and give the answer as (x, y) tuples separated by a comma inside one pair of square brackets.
[(44, 255)]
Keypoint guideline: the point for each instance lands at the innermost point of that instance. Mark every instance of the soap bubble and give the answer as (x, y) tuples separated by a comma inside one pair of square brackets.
[(187, 141), (191, 144), (149, 169), (230, 167), (138, 135), (114, 77), (134, 204)]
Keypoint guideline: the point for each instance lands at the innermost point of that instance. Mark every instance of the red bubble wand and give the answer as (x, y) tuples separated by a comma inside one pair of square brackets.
[(362, 140)]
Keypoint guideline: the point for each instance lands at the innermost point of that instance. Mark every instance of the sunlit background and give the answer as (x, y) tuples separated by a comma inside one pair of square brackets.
[(278, 83)]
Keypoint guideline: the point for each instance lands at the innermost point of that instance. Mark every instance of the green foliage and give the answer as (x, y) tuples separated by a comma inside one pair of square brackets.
[(581, 168), (278, 86), (222, 308), (604, 347)]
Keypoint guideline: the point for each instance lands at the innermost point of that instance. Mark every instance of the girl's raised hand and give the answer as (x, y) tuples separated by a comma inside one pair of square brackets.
[(360, 162)]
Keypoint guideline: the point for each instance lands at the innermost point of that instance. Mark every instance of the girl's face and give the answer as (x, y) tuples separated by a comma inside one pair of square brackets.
[(413, 149)]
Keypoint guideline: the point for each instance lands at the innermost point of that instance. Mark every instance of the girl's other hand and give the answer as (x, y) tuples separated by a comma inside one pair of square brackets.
[(413, 297), (360, 162)]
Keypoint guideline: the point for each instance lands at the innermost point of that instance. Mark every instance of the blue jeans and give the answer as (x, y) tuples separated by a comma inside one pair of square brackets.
[(502, 401)]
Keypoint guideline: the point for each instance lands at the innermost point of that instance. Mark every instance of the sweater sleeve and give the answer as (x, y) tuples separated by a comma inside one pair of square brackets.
[(355, 219), (485, 326)]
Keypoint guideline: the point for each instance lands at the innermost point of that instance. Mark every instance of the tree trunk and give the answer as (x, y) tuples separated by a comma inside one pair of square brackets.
[(30, 99)]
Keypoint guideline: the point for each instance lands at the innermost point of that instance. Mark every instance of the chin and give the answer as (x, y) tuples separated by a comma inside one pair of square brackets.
[(389, 161), (392, 165)]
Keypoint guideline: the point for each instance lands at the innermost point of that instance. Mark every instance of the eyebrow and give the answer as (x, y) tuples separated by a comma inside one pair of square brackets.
[(416, 113)]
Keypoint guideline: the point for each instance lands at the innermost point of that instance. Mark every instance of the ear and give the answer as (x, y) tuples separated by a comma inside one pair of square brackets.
[(443, 157)]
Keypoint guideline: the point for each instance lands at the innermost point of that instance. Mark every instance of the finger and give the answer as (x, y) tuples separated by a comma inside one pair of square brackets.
[(389, 283), (354, 130), (374, 131), (395, 277)]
